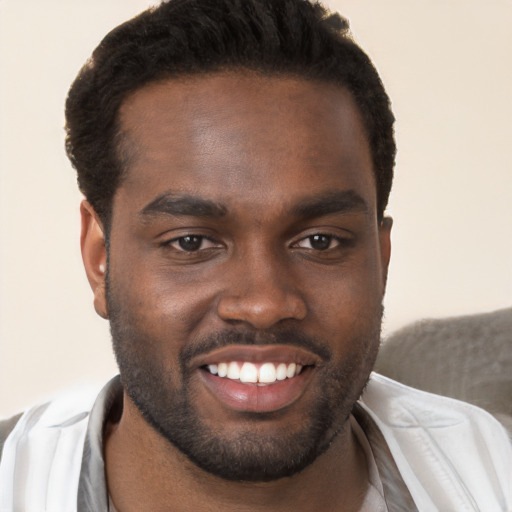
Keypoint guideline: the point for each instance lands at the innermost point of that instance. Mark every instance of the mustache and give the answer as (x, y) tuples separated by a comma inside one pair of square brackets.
[(221, 339)]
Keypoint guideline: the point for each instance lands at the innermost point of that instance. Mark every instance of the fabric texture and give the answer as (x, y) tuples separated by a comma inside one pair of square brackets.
[(466, 357), (432, 453)]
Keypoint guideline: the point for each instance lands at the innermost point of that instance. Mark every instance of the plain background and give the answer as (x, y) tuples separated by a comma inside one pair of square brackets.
[(447, 67)]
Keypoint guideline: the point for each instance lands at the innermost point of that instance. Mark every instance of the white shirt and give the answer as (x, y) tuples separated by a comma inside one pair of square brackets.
[(431, 453)]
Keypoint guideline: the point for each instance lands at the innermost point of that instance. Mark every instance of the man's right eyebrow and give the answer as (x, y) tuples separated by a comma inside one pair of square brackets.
[(182, 205)]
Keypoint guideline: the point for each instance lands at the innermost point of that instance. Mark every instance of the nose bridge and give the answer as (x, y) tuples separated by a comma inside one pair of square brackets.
[(262, 290)]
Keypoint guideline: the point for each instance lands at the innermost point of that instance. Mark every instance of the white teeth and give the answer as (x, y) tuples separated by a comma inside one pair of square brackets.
[(281, 371), (233, 371), (290, 371), (249, 373), (222, 369), (267, 373)]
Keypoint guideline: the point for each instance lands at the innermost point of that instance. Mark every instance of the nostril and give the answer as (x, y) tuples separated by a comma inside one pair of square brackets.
[(262, 310)]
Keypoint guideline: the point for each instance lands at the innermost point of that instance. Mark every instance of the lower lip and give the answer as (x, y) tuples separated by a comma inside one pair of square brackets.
[(256, 398)]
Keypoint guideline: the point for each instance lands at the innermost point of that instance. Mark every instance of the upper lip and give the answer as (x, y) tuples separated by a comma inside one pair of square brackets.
[(258, 354)]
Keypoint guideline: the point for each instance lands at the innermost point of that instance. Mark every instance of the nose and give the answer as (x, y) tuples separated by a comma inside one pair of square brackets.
[(262, 293)]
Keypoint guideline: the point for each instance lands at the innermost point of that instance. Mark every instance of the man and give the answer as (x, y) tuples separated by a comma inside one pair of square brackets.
[(236, 158)]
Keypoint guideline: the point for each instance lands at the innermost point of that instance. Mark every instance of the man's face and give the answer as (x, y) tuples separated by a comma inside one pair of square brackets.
[(245, 237)]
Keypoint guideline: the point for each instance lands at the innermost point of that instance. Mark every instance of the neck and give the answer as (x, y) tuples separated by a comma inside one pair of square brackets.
[(146, 472)]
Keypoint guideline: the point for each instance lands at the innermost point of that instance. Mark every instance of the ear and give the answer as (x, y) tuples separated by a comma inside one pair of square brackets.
[(385, 247), (94, 255)]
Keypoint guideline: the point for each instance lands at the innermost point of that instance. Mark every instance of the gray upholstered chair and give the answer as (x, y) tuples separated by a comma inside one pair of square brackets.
[(468, 358)]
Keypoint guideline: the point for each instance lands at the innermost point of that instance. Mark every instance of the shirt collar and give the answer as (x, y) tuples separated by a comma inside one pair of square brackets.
[(92, 486)]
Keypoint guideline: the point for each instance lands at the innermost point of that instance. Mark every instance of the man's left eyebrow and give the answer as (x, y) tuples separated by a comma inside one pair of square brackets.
[(346, 201), (182, 205)]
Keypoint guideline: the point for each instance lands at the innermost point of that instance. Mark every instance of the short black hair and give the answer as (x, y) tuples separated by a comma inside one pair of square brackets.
[(190, 37)]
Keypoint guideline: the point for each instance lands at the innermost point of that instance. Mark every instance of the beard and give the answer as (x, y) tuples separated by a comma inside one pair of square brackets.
[(253, 452)]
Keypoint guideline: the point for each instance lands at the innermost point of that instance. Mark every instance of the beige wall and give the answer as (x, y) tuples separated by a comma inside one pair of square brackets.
[(446, 64)]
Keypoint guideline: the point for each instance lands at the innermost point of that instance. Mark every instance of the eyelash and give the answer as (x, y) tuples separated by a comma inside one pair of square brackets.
[(340, 242), (177, 240)]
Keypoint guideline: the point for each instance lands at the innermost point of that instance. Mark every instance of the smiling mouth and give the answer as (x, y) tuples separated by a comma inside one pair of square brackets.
[(257, 378), (262, 374)]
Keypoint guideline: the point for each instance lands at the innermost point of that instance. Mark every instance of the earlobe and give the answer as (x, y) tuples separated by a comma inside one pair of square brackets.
[(94, 255), (385, 246)]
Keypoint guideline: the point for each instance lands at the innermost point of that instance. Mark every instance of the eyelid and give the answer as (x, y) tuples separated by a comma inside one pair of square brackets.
[(343, 237), (170, 242), (334, 238)]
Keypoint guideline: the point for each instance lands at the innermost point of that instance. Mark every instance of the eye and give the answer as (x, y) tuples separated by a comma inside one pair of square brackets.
[(319, 242), (191, 243)]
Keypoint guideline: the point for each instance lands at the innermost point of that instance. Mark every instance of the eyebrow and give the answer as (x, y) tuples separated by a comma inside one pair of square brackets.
[(346, 201), (177, 205)]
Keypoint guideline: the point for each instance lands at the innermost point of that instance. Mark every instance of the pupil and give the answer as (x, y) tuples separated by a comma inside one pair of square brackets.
[(190, 243), (320, 242)]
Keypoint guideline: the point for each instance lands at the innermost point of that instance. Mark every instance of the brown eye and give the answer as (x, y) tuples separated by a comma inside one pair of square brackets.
[(320, 242), (190, 243)]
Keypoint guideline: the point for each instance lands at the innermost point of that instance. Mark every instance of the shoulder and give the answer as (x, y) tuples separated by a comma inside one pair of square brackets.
[(398, 405), (69, 408), (55, 413), (444, 448), (42, 446)]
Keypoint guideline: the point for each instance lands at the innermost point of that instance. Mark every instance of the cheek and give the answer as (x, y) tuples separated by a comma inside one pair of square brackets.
[(346, 305), (157, 306), (345, 292)]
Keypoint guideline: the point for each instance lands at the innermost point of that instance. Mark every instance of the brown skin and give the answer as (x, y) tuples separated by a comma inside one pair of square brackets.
[(259, 146)]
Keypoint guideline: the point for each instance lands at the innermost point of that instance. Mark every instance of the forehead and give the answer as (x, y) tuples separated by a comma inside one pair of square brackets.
[(234, 135)]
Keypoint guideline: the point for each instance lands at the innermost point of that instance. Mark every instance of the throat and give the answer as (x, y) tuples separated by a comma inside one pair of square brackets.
[(145, 472)]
